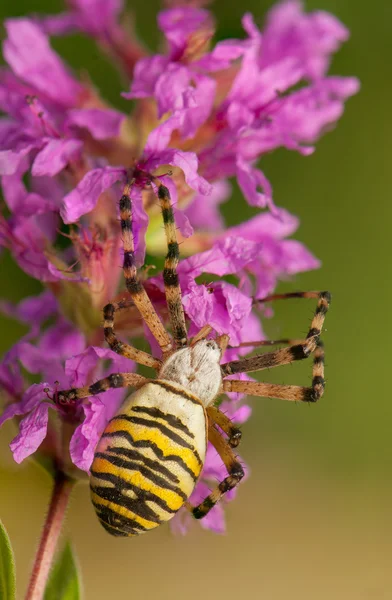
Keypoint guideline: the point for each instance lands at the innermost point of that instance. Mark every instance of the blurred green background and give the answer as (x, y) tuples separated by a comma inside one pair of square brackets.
[(313, 520)]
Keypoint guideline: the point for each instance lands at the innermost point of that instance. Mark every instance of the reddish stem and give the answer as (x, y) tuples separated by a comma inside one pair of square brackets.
[(50, 535)]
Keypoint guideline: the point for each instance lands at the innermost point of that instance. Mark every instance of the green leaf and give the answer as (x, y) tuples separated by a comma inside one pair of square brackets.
[(7, 567), (63, 583)]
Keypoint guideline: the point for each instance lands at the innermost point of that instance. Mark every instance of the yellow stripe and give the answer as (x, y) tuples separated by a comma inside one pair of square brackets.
[(172, 499), (121, 510), (138, 433)]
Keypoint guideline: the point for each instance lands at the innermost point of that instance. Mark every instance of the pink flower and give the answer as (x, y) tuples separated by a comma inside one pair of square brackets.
[(50, 130), (202, 113)]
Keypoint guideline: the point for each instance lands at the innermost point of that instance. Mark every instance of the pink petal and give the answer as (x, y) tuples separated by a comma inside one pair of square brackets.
[(210, 218), (197, 112), (102, 124), (266, 225), (170, 88), (226, 257), (30, 56), (55, 156), (187, 161), (146, 74), (32, 398), (79, 368), (32, 432), (297, 258), (87, 435), (179, 23), (85, 196), (11, 160), (251, 180)]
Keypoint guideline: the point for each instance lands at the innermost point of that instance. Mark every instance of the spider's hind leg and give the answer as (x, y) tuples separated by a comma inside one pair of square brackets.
[(219, 418), (285, 392), (284, 356), (234, 469)]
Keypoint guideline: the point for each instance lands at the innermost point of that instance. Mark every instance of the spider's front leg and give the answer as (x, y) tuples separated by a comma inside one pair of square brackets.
[(234, 469), (142, 358), (116, 380)]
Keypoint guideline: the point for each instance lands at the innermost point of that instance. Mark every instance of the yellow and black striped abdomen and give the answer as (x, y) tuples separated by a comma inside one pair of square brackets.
[(148, 459)]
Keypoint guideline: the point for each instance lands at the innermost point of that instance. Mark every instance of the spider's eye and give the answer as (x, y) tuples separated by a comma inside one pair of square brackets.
[(211, 345)]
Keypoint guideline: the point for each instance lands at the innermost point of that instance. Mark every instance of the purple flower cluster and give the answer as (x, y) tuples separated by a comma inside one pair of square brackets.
[(205, 112)]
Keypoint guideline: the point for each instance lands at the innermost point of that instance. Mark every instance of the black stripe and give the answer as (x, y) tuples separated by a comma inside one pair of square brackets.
[(111, 517), (125, 203), (163, 192), (170, 419), (143, 495), (151, 464), (309, 395), (322, 309), (318, 360), (119, 462), (68, 395), (133, 285), (171, 388), (113, 531), (170, 278), (116, 346), (129, 259), (108, 331), (200, 511), (156, 449), (116, 380), (152, 424), (136, 506), (167, 215), (327, 296), (108, 312), (180, 334), (173, 251), (126, 225), (97, 388), (298, 352), (313, 332)]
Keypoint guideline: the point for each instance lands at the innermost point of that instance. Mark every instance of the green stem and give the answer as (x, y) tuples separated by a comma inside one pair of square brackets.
[(50, 535)]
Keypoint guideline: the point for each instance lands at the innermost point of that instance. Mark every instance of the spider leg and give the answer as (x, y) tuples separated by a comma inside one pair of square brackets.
[(219, 418), (202, 334), (142, 358), (284, 392), (234, 469), (221, 340), (271, 297), (170, 275), (290, 354), (255, 344), (132, 281), (116, 380)]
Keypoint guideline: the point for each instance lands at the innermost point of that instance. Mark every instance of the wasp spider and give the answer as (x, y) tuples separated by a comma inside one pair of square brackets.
[(151, 453)]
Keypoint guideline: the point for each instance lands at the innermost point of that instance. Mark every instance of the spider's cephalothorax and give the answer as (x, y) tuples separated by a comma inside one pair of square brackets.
[(151, 453)]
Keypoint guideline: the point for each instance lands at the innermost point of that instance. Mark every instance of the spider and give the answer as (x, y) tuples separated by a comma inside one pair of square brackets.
[(151, 453)]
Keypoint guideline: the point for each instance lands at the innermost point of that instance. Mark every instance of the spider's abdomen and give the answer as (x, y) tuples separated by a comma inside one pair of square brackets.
[(148, 459)]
